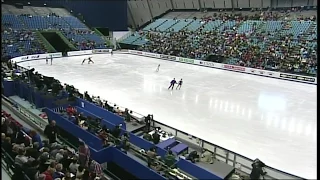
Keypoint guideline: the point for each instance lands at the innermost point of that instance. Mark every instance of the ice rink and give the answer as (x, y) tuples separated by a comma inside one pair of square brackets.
[(257, 117)]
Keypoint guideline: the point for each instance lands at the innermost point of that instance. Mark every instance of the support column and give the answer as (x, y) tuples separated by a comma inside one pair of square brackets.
[(200, 5), (151, 14), (131, 16)]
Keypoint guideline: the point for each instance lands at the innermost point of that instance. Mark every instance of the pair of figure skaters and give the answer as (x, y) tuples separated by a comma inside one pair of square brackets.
[(173, 82), (47, 59), (89, 60)]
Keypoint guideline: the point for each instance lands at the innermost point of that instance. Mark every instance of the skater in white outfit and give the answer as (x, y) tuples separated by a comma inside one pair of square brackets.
[(158, 68)]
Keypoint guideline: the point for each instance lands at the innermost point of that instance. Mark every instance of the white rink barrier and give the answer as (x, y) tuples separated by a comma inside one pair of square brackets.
[(89, 52), (79, 53), (259, 72), (36, 57), (101, 51)]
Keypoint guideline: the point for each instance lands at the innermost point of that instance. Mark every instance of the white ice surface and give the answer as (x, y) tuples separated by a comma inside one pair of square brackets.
[(270, 119)]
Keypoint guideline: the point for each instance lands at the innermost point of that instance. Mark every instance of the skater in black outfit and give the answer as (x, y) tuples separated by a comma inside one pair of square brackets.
[(84, 60), (158, 68), (47, 60), (90, 60), (51, 58), (172, 83), (111, 52), (179, 84)]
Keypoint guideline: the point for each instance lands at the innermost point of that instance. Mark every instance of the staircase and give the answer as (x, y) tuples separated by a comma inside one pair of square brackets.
[(159, 24), (309, 31), (177, 21), (187, 25)]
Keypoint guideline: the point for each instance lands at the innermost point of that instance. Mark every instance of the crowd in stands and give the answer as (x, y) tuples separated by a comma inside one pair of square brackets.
[(44, 160), (256, 47), (19, 39), (19, 42)]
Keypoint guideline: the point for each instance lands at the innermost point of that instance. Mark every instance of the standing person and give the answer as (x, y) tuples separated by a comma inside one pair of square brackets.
[(111, 52), (51, 58), (179, 84), (47, 59), (158, 68), (172, 83), (51, 131), (84, 154)]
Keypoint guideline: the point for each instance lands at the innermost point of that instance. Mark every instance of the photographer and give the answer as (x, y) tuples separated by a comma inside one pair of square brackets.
[(257, 169)]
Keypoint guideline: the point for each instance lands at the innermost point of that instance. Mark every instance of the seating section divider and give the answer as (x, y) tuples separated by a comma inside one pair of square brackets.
[(195, 170), (100, 112)]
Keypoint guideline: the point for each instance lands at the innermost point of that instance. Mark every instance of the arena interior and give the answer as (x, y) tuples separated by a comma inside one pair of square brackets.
[(262, 53)]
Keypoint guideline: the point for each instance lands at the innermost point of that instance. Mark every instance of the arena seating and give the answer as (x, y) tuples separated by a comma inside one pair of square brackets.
[(269, 41), (32, 19)]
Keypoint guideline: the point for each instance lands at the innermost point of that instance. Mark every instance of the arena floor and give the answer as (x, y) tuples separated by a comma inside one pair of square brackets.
[(274, 120)]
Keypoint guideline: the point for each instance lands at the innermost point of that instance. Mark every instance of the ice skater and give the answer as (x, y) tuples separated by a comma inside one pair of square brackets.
[(47, 59), (158, 68), (111, 52), (172, 83), (89, 60), (51, 58), (179, 84)]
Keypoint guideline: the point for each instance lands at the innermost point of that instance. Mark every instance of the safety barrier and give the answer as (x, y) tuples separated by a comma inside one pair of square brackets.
[(253, 71)]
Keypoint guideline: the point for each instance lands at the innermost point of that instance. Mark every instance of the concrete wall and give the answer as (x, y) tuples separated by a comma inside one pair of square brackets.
[(143, 11)]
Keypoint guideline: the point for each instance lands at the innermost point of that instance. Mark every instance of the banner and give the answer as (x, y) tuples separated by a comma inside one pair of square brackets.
[(101, 51), (207, 63), (186, 60), (79, 53), (36, 56), (297, 77), (150, 54), (253, 71), (260, 72), (235, 68), (173, 58), (135, 52)]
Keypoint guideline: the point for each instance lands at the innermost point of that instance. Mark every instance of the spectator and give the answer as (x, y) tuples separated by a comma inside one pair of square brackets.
[(59, 155), (32, 172), (21, 159), (151, 155), (73, 165), (116, 131), (3, 137), (95, 167), (86, 175), (84, 154), (80, 173), (169, 159), (33, 151), (51, 131), (49, 172), (156, 137), (58, 173), (7, 146)]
